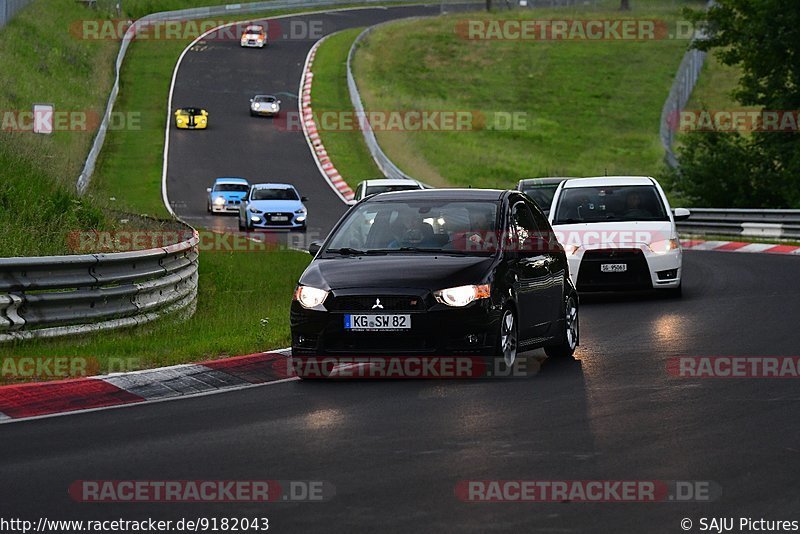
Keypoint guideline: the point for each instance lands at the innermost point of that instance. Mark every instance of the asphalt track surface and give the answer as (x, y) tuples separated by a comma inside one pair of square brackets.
[(221, 77), (395, 450)]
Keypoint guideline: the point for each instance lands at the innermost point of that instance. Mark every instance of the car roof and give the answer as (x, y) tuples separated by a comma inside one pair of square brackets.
[(608, 180), (231, 180), (264, 96), (440, 194), (390, 181), (254, 27), (273, 186), (548, 180), (190, 109)]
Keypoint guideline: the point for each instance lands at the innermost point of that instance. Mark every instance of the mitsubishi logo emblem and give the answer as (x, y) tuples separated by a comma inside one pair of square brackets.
[(377, 304)]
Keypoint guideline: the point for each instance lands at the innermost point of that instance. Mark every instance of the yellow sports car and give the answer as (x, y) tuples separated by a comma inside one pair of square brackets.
[(191, 118)]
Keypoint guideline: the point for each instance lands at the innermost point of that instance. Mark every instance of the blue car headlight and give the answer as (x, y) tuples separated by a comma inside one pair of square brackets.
[(255, 210)]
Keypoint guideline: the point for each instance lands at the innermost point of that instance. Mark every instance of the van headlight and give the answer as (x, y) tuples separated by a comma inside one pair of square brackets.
[(662, 247), (462, 295), (310, 297)]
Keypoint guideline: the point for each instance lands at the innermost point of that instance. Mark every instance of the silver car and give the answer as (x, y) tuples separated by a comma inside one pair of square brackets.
[(264, 105)]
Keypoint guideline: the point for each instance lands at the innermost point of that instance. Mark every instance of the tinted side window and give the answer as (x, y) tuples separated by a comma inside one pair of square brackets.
[(525, 230), (545, 230)]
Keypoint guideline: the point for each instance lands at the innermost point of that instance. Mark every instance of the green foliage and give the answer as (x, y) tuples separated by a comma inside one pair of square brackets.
[(762, 38)]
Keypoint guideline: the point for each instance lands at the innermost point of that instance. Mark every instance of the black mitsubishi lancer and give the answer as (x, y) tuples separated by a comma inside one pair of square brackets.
[(437, 272)]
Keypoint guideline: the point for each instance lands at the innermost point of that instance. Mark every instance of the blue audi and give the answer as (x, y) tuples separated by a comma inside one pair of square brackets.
[(273, 206), (227, 194)]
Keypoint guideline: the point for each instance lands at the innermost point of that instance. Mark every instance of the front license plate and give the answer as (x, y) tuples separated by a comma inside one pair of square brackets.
[(613, 267), (374, 322), (279, 218)]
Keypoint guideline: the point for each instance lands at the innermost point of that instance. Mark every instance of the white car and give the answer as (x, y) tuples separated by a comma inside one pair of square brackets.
[(619, 233), (367, 188), (254, 36), (265, 106)]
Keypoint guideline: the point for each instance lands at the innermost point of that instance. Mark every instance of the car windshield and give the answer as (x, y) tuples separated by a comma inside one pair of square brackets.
[(375, 189), (414, 226), (609, 204), (239, 188), (274, 194), (542, 195), (189, 111), (251, 31), (264, 99)]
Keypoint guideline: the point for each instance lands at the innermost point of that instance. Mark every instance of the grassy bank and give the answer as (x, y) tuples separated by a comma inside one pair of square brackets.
[(329, 95), (38, 206), (588, 107)]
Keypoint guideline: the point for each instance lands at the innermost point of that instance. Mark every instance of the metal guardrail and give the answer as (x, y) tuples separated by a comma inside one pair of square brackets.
[(743, 223), (8, 9), (386, 166), (189, 14), (679, 94), (53, 296)]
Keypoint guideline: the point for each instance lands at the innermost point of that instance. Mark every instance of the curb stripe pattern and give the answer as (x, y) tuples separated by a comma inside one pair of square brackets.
[(738, 246), (37, 399), (318, 149)]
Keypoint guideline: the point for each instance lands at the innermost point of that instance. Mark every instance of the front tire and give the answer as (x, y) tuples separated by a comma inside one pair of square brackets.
[(569, 334), (507, 339)]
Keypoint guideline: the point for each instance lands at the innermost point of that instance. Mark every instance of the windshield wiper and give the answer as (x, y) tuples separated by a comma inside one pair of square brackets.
[(347, 251)]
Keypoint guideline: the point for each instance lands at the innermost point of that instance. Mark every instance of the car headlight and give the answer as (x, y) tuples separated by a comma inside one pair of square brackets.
[(219, 201), (301, 210), (256, 105), (255, 210), (309, 297), (662, 247), (462, 295), (274, 106)]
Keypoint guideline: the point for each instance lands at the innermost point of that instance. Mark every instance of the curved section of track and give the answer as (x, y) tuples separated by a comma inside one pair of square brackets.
[(221, 77)]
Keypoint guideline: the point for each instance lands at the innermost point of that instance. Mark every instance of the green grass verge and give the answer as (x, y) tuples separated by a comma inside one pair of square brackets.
[(329, 94), (38, 205), (714, 89), (591, 107)]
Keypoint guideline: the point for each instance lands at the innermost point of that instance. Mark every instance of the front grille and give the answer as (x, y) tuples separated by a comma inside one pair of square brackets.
[(366, 303), (637, 275)]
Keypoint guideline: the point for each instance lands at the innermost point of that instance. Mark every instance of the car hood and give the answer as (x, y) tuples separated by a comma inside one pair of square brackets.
[(396, 270), (626, 233), (229, 195), (275, 205)]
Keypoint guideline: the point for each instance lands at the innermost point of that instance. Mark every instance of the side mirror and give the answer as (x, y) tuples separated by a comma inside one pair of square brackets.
[(279, 101), (303, 199), (251, 100), (681, 214), (314, 247), (208, 189)]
